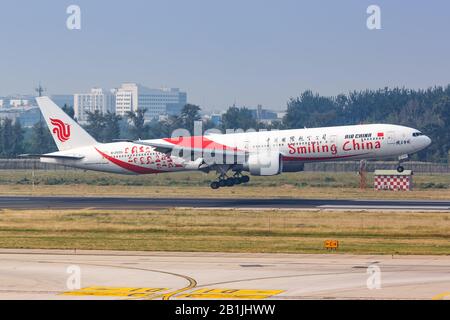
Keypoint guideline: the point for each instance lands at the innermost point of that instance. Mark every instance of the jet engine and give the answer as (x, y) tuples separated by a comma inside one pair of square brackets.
[(264, 164)]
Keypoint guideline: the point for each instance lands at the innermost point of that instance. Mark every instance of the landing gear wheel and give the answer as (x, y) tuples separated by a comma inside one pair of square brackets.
[(400, 169), (245, 179), (230, 182), (215, 185)]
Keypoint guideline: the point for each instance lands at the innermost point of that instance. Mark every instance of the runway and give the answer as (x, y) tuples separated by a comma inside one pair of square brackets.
[(155, 203), (57, 274)]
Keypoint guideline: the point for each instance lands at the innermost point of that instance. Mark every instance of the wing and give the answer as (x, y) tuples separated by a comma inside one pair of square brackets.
[(188, 145), (159, 147)]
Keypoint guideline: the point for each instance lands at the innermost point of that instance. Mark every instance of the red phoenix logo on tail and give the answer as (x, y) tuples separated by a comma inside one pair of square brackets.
[(61, 129)]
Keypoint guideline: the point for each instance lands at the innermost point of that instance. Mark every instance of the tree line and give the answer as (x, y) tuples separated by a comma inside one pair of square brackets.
[(427, 110)]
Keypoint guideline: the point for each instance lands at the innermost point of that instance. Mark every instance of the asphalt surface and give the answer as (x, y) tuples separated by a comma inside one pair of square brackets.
[(58, 274), (154, 203)]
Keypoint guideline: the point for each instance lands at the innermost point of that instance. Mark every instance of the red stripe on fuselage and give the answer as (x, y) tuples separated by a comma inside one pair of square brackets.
[(198, 142), (129, 166), (321, 158)]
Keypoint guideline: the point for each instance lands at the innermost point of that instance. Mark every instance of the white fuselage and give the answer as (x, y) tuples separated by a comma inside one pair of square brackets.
[(374, 141)]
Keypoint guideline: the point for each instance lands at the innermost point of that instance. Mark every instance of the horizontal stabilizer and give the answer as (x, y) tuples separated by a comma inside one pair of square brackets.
[(122, 140), (52, 156)]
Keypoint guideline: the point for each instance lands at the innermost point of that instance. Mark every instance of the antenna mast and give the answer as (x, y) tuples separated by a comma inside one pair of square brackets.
[(39, 90)]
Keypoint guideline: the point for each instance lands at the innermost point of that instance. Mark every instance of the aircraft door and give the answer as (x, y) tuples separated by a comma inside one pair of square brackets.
[(390, 137), (246, 144), (333, 139)]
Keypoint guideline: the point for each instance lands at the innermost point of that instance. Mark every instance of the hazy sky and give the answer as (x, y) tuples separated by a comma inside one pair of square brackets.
[(248, 51)]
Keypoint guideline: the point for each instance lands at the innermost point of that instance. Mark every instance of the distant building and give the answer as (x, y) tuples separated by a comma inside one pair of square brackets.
[(216, 119), (96, 100), (280, 115), (166, 101), (14, 103), (19, 100), (263, 115), (163, 117), (63, 99), (28, 116)]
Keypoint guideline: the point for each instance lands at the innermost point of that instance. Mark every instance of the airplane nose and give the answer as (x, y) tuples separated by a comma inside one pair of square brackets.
[(427, 141)]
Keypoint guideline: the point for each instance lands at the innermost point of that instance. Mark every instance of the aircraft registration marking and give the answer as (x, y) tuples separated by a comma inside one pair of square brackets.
[(250, 294)]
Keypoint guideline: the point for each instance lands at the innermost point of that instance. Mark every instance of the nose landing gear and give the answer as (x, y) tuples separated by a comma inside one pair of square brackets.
[(401, 159)]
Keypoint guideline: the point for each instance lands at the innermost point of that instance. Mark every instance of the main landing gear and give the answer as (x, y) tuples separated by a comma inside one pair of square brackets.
[(225, 181)]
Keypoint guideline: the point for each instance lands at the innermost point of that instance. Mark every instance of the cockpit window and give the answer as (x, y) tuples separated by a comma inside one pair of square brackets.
[(416, 134)]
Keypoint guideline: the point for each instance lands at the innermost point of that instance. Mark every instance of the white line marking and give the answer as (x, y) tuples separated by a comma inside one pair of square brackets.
[(384, 207)]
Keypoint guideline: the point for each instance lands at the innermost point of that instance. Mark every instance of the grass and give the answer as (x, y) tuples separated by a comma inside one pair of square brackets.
[(227, 230), (222, 230), (293, 185)]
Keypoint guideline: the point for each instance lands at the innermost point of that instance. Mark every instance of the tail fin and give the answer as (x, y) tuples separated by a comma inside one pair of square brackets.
[(65, 131)]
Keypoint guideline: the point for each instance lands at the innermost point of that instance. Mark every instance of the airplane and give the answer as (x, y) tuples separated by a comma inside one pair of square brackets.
[(264, 153)]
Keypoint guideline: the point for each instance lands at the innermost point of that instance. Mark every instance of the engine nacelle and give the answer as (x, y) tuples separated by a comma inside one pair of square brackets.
[(194, 165), (264, 164)]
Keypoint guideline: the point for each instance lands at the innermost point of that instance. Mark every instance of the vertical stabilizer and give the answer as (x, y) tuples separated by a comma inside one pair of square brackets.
[(66, 132)]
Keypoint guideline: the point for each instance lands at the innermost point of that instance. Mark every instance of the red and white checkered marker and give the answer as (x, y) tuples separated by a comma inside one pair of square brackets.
[(393, 182)]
